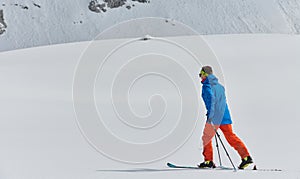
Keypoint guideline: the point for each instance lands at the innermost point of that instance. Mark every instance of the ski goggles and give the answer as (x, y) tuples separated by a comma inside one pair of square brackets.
[(202, 73)]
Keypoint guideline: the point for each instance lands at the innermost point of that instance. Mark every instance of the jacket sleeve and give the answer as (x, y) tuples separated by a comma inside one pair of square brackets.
[(209, 100), (212, 99)]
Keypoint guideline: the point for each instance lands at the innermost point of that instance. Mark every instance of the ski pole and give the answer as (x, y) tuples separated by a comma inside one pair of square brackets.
[(226, 151), (217, 145), (224, 147)]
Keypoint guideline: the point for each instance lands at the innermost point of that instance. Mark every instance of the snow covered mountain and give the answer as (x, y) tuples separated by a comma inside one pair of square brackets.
[(28, 23)]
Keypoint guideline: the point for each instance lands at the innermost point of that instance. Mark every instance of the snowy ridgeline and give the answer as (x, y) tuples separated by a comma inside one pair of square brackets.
[(28, 23)]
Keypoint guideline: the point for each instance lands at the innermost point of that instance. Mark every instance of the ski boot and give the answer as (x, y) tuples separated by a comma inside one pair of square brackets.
[(207, 164), (245, 162)]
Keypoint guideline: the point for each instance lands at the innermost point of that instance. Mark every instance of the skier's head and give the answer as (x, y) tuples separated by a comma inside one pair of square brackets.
[(205, 71)]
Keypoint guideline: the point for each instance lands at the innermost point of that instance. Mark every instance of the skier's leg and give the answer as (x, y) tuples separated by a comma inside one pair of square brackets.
[(234, 140), (208, 134)]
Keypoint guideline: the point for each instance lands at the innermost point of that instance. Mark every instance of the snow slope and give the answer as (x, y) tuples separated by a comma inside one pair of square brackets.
[(40, 137), (30, 23)]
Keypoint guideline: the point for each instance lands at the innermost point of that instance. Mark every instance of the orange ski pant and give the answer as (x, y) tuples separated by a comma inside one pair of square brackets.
[(232, 139)]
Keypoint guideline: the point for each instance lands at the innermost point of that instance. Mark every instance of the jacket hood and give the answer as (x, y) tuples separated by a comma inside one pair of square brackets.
[(210, 79)]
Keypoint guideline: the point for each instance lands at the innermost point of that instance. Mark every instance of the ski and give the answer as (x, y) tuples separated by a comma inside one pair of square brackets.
[(266, 170), (221, 168), (197, 168)]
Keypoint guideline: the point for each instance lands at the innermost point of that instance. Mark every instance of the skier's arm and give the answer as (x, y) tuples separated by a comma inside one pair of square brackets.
[(212, 102)]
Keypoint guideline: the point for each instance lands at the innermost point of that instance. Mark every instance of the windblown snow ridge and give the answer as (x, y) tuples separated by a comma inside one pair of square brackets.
[(291, 12)]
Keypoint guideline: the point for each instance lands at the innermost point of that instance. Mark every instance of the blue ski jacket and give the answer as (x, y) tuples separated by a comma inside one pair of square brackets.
[(213, 94)]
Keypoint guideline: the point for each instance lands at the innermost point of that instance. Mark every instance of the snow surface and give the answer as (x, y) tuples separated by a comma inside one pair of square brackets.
[(29, 23), (40, 137)]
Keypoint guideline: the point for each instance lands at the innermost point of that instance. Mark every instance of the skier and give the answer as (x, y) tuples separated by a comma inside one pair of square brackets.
[(218, 116)]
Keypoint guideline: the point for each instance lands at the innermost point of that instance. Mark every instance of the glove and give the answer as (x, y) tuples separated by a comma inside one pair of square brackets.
[(209, 120)]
